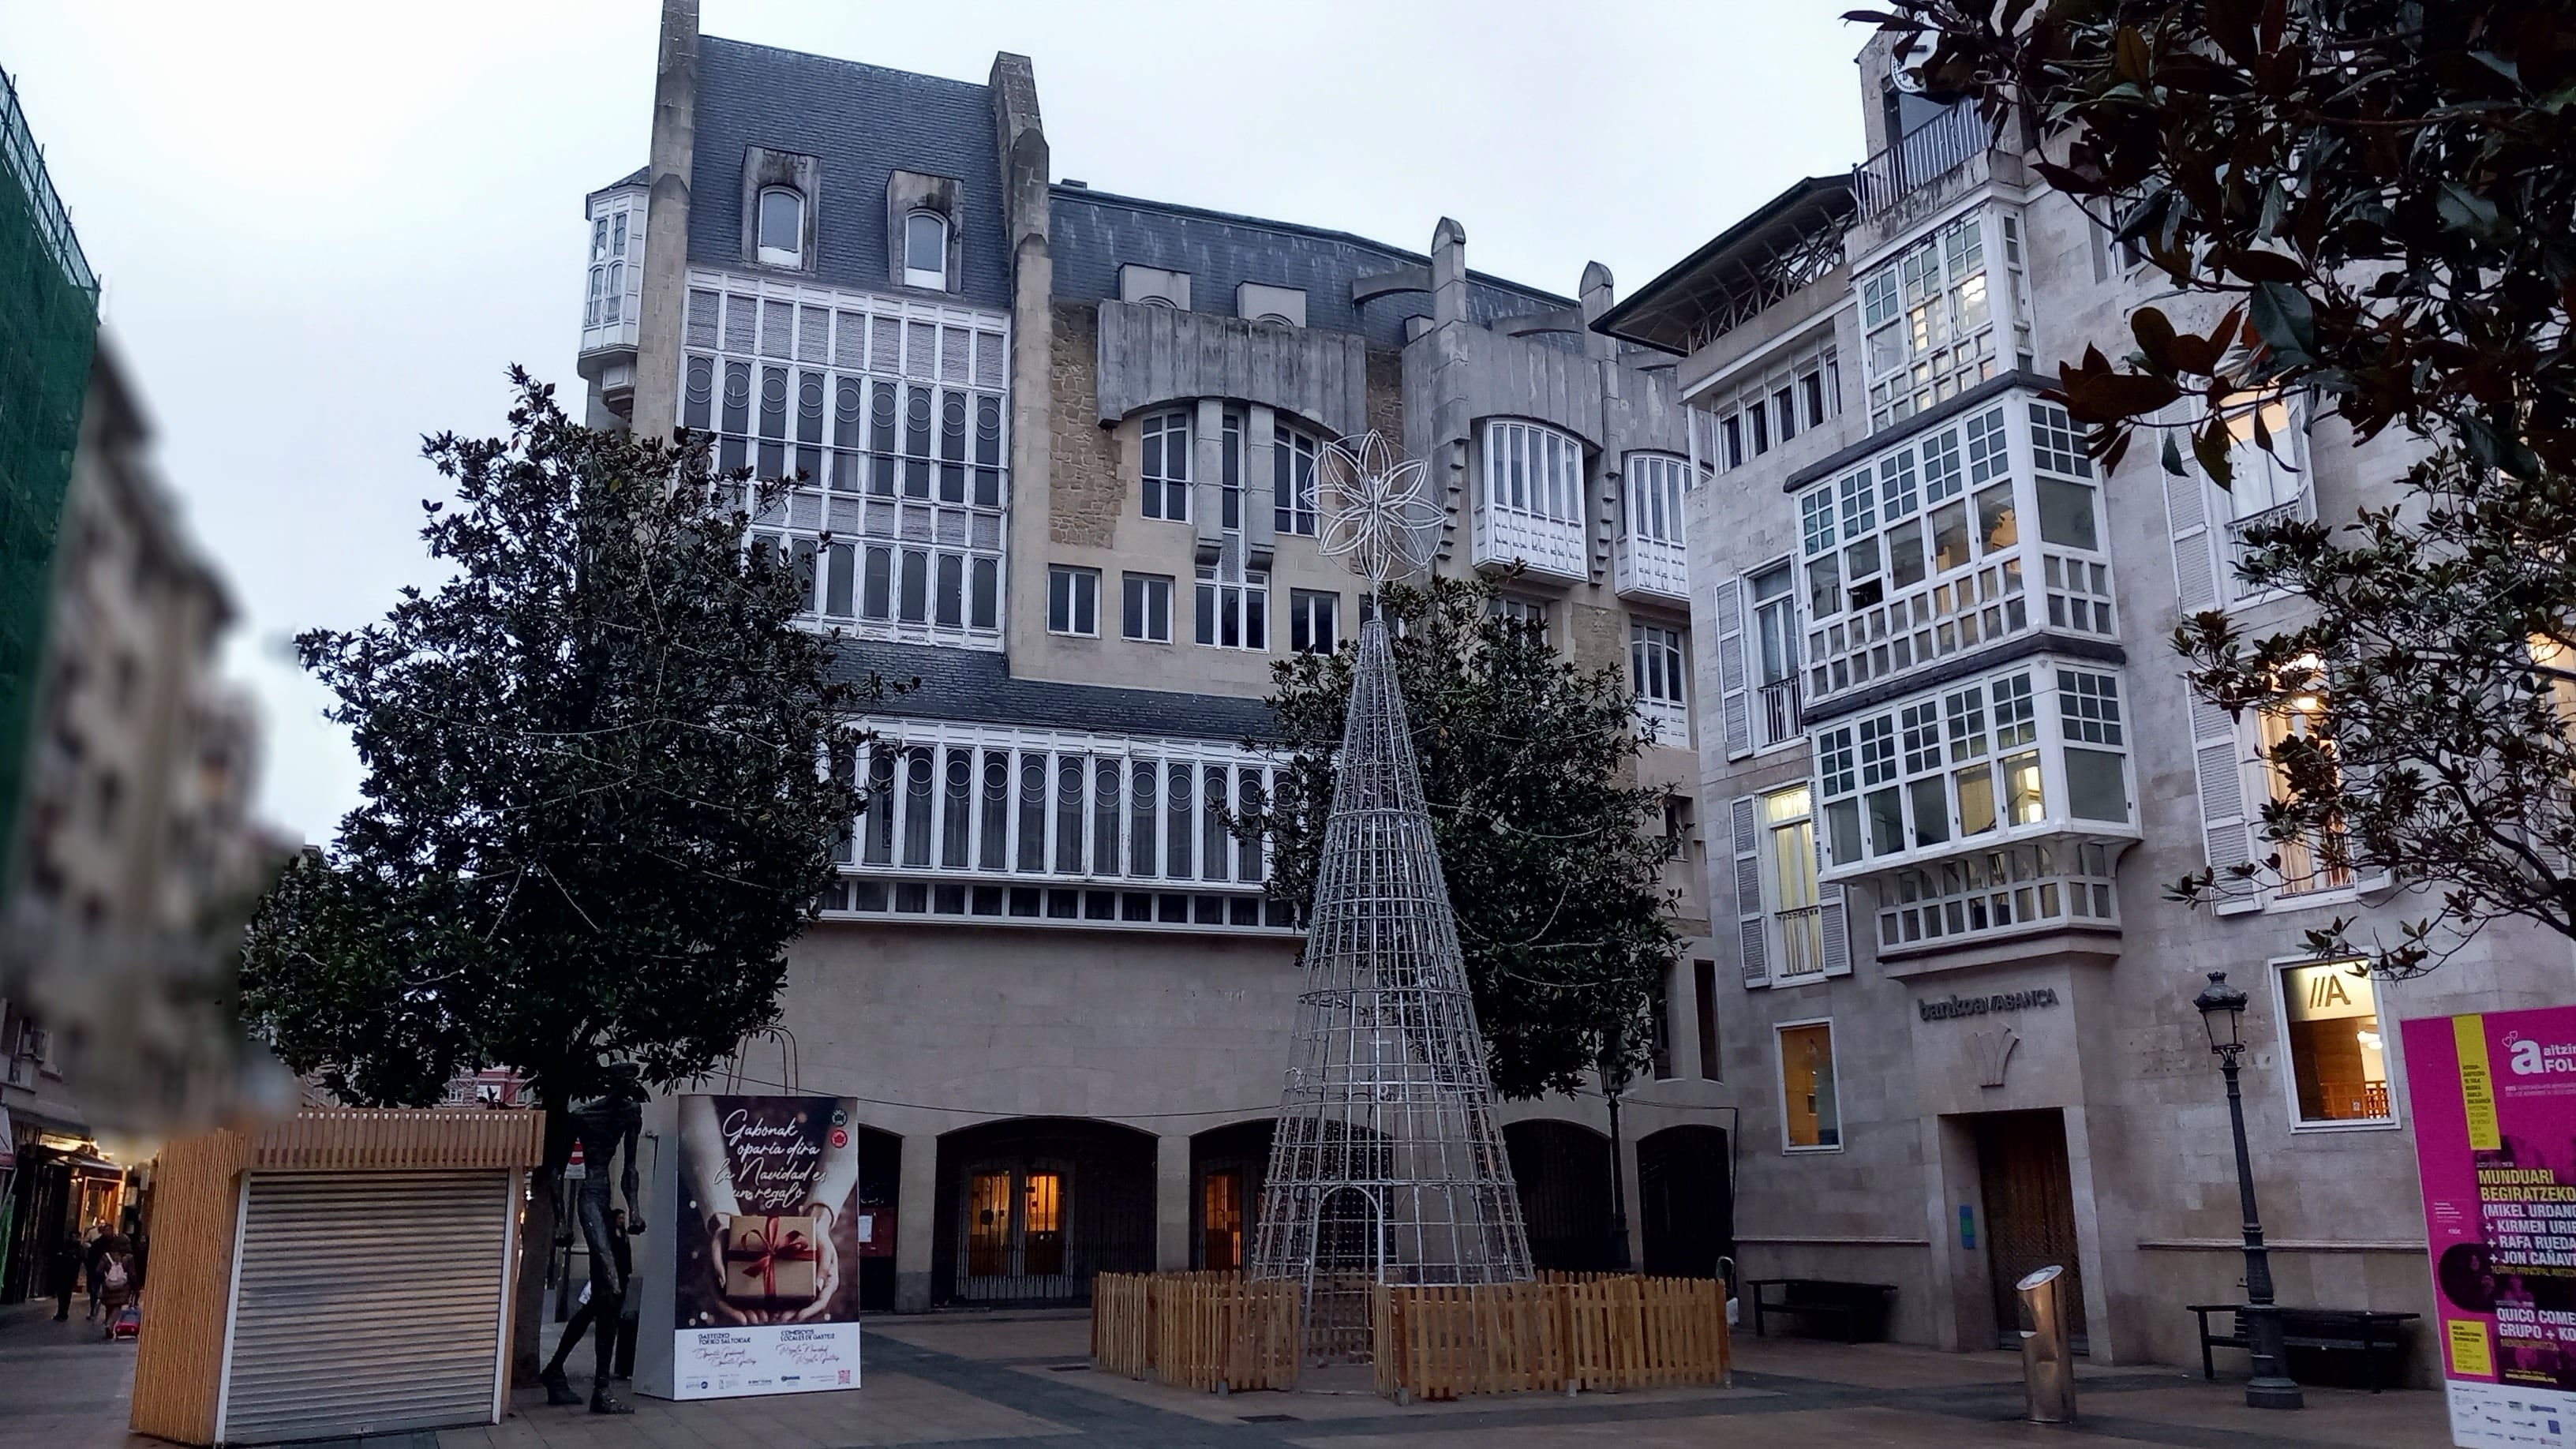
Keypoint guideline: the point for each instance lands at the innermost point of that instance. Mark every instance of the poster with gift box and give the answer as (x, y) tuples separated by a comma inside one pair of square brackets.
[(765, 1296)]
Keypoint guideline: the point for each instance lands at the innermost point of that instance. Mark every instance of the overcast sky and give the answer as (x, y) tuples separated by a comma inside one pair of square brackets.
[(324, 230)]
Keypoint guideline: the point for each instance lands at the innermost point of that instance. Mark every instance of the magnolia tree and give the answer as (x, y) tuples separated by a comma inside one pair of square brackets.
[(2375, 199), (596, 809)]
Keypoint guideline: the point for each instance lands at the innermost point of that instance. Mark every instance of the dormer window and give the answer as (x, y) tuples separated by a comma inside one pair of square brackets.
[(782, 227), (925, 251)]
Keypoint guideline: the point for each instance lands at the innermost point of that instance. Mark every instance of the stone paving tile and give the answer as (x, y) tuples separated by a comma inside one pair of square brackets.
[(985, 1382), (1058, 1337)]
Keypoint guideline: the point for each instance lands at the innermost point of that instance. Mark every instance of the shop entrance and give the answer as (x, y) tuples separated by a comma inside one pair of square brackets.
[(2030, 1212), (1030, 1209)]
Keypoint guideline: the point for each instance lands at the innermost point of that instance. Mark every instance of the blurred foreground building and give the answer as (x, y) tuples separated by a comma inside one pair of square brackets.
[(130, 853), (1058, 450)]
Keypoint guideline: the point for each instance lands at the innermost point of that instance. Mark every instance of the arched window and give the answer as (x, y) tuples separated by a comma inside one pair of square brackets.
[(782, 227), (925, 250)]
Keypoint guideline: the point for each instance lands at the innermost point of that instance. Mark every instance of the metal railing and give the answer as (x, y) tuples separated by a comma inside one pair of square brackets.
[(1802, 940), (25, 163), (1780, 717), (2238, 547), (1922, 155)]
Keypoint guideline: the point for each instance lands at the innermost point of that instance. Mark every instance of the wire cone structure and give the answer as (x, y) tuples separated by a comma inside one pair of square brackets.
[(1386, 1166)]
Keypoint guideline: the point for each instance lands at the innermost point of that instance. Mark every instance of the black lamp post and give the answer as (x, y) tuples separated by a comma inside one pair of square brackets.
[(2222, 1010)]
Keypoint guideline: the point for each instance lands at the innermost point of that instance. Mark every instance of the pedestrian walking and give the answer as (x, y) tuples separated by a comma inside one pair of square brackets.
[(62, 1274), (89, 1265), (115, 1279)]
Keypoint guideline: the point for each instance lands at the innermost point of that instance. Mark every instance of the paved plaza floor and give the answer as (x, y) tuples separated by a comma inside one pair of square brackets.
[(991, 1379)]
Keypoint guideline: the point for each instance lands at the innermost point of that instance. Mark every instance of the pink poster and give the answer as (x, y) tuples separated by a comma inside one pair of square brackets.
[(2494, 1100)]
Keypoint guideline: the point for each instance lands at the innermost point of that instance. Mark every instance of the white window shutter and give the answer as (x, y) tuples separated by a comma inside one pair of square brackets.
[(1735, 700), (2227, 825), (1754, 944), (2195, 551), (1836, 918)]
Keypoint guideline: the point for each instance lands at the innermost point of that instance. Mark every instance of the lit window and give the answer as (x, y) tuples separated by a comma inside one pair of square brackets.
[(1149, 609), (1073, 600), (782, 227), (1313, 621), (925, 251), (2304, 866), (2338, 1061), (1811, 1115), (1789, 874), (1166, 468)]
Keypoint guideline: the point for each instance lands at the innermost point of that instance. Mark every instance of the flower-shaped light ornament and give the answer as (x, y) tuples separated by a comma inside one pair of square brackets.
[(1375, 514)]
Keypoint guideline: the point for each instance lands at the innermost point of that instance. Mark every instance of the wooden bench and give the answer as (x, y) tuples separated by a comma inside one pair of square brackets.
[(2339, 1330), (1858, 1307)]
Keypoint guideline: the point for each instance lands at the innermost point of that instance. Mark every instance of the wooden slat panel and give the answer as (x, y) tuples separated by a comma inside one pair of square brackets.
[(358, 1139), (196, 1196)]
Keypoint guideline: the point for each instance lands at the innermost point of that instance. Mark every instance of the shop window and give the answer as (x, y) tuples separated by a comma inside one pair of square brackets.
[(1811, 1115), (2338, 1060), (1221, 1221)]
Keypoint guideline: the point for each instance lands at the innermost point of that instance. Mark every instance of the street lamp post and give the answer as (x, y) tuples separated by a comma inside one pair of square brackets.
[(2222, 1010)]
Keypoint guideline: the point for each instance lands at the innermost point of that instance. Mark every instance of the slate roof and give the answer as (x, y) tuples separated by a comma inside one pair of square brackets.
[(1093, 233), (976, 685), (860, 122)]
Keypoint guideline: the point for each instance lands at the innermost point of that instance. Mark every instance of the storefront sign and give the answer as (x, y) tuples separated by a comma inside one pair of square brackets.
[(1959, 1006), (2495, 1138), (765, 1299)]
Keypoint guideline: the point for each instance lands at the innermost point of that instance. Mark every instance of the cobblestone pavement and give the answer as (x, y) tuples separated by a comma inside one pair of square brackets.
[(980, 1380)]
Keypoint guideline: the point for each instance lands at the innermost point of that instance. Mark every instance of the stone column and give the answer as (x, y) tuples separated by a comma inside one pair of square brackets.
[(1172, 1203), (916, 1220), (1207, 486), (656, 409)]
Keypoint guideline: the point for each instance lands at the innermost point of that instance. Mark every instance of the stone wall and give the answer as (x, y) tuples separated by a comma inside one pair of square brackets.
[(1087, 487)]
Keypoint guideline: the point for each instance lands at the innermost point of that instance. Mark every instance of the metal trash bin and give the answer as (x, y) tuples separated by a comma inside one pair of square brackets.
[(2047, 1360)]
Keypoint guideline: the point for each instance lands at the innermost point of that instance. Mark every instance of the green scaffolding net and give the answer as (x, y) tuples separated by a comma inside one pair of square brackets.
[(49, 314)]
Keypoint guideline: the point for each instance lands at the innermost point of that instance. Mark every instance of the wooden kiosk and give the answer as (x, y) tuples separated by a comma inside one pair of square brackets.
[(339, 1272)]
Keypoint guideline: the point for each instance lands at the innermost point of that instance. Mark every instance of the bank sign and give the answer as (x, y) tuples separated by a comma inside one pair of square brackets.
[(2494, 1101), (765, 1300)]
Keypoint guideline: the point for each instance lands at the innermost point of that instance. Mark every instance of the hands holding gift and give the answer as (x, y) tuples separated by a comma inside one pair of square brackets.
[(741, 1245)]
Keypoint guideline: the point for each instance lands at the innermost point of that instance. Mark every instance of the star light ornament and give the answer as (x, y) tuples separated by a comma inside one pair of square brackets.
[(1375, 514)]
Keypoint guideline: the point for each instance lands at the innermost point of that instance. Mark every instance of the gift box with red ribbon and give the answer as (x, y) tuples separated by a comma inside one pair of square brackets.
[(770, 1262)]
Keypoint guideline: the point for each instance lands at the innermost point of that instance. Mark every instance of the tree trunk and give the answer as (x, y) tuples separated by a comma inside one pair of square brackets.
[(536, 1246)]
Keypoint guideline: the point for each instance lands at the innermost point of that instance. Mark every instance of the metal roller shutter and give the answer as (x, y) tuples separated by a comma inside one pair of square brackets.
[(369, 1302)]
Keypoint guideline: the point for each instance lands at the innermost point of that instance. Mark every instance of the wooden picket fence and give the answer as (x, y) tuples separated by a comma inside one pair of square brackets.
[(1196, 1330), (1565, 1331)]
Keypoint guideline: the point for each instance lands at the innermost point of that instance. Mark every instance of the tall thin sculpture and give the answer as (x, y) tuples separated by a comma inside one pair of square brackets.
[(1386, 1166)]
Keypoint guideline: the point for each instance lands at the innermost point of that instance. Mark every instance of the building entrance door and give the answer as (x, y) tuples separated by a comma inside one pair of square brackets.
[(1014, 1233), (2030, 1212)]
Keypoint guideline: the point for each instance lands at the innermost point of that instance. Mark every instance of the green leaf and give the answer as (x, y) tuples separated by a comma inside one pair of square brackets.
[(2286, 321)]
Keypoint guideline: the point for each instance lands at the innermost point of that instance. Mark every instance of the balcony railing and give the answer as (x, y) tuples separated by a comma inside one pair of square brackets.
[(1924, 155), (1652, 566), (2300, 508), (1781, 721), (1802, 940)]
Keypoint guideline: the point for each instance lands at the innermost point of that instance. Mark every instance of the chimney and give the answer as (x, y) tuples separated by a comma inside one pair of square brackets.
[(1448, 273)]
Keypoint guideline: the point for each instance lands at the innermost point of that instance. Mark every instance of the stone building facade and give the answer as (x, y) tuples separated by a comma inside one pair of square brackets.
[(1948, 704), (1057, 450)]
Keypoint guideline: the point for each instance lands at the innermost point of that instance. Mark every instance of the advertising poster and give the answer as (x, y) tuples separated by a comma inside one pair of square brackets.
[(2495, 1139), (765, 1299)]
